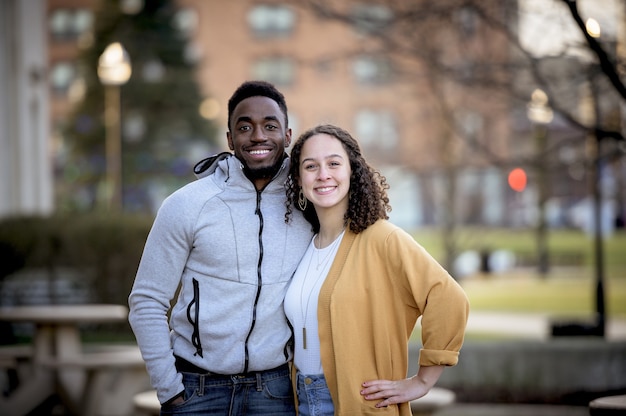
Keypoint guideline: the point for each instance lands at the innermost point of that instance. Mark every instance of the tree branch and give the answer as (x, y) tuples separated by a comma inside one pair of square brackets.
[(605, 62)]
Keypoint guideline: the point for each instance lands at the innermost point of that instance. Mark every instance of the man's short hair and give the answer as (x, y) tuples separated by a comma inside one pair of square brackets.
[(257, 89)]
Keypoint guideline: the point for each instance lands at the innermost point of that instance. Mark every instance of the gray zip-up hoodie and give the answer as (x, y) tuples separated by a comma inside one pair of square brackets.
[(229, 248)]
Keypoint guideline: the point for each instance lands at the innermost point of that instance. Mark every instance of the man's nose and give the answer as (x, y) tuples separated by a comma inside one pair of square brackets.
[(258, 135)]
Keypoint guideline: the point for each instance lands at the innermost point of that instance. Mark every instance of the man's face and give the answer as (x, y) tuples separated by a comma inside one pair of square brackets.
[(258, 136)]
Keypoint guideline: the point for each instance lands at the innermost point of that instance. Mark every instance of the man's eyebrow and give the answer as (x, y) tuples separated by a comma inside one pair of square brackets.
[(272, 118), (248, 119), (244, 119)]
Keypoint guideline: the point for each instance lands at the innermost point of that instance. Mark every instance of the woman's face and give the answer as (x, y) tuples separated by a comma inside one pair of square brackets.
[(325, 173)]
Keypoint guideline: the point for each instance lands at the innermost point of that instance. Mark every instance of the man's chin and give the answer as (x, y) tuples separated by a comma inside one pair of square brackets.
[(262, 172)]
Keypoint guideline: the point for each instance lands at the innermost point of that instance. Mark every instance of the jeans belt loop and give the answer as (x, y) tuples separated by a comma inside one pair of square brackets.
[(259, 382), (201, 385)]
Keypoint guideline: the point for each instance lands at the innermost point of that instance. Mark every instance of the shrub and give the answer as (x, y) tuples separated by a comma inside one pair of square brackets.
[(103, 248)]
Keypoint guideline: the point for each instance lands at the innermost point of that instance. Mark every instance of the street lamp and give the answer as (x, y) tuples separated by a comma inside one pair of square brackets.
[(593, 116), (540, 113), (114, 71), (595, 143)]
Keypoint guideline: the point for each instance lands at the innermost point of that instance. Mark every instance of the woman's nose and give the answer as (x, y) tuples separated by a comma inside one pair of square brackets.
[(323, 174)]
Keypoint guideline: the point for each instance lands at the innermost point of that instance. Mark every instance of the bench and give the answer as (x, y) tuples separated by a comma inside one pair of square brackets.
[(14, 362), (122, 357), (608, 406), (146, 403), (114, 374), (433, 401), (11, 355)]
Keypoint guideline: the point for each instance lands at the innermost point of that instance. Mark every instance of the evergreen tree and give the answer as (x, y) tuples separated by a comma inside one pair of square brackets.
[(160, 119)]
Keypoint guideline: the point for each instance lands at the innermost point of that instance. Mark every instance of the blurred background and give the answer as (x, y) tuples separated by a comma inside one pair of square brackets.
[(498, 123), (446, 99)]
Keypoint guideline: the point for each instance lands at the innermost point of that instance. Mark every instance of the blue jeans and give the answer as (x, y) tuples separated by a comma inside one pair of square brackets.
[(262, 393), (313, 396)]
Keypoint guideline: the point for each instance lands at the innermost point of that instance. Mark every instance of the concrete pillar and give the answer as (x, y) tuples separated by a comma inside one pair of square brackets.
[(26, 177)]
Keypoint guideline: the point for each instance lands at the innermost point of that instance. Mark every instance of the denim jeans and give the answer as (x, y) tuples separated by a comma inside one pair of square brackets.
[(313, 396), (263, 393)]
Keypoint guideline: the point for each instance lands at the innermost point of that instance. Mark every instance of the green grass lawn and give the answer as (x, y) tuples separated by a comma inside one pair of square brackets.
[(566, 290), (561, 293)]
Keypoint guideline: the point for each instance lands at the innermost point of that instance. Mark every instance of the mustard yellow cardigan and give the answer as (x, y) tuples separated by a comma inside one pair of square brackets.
[(380, 282)]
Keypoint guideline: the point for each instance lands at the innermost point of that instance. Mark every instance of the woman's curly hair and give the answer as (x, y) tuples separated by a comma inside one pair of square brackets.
[(368, 200)]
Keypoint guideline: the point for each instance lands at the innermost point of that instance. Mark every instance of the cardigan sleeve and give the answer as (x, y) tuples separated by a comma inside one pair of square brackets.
[(440, 300)]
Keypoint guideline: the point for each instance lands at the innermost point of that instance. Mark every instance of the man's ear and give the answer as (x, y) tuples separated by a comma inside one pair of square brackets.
[(288, 137), (229, 140)]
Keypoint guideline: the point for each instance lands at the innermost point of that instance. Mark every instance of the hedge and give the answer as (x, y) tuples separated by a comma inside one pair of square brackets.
[(105, 249)]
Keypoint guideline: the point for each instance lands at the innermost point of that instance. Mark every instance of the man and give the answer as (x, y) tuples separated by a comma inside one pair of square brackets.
[(224, 240)]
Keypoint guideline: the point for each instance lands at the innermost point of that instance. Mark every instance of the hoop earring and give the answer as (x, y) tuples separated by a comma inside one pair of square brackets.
[(302, 201)]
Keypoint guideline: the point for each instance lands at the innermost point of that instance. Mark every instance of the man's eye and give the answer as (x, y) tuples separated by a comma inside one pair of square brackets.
[(244, 128)]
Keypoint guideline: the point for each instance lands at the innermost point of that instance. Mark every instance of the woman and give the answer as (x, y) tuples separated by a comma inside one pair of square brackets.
[(360, 288)]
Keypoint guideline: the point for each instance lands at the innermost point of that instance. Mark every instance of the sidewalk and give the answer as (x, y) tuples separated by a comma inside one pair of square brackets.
[(473, 409), (527, 326), (531, 326)]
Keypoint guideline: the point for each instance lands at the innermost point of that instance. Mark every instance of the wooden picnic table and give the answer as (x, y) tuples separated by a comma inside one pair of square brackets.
[(57, 349)]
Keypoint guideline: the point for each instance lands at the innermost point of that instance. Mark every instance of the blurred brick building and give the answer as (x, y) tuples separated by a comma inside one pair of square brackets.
[(332, 72), (328, 74)]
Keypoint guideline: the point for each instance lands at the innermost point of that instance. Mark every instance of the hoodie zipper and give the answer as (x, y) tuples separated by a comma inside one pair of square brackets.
[(259, 277)]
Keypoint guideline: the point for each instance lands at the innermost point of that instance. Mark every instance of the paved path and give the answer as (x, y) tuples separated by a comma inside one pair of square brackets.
[(466, 409), (532, 326)]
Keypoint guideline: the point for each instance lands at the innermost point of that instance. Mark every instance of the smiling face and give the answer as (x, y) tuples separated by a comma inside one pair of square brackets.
[(325, 173), (258, 136)]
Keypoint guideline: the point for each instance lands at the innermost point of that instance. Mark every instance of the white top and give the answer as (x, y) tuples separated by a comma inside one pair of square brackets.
[(301, 304)]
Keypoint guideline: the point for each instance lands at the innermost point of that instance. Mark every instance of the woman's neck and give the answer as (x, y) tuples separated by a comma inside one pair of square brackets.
[(330, 229)]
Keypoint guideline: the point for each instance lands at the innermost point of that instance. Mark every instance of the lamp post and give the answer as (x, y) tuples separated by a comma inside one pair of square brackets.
[(595, 143), (114, 71), (541, 115), (593, 118)]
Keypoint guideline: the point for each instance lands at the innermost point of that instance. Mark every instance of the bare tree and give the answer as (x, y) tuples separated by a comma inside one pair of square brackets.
[(469, 55)]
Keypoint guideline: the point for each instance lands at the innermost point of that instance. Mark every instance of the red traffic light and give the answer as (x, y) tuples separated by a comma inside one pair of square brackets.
[(517, 179)]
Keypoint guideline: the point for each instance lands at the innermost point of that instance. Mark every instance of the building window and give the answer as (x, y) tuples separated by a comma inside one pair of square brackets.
[(372, 70), (467, 20), (70, 23), (325, 67), (277, 70), (82, 21), (376, 129), (371, 18), (62, 75), (271, 21)]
